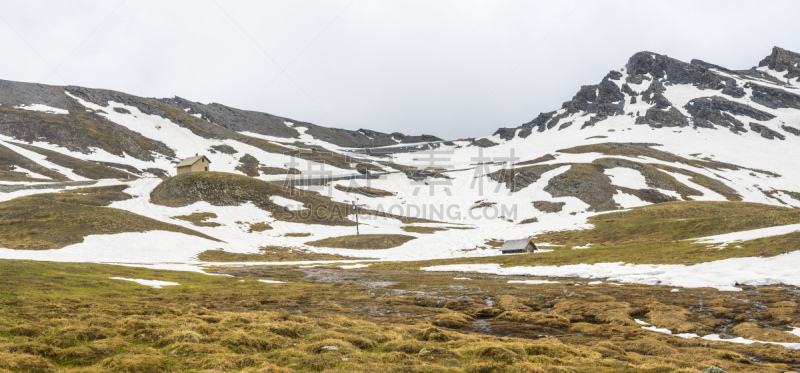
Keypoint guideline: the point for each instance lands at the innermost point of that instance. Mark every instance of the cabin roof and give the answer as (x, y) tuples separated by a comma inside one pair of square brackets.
[(519, 244), (192, 160)]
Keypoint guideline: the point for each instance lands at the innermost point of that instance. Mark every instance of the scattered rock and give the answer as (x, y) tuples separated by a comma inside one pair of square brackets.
[(225, 149), (792, 130), (547, 206), (766, 132)]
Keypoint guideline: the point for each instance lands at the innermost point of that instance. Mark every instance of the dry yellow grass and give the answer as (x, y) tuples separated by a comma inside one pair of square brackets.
[(363, 241), (72, 317)]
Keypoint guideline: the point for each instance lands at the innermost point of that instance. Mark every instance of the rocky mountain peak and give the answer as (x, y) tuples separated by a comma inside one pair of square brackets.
[(780, 59), (783, 60), (651, 90)]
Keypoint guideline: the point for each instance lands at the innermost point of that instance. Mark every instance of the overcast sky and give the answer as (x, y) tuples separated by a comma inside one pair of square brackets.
[(451, 68)]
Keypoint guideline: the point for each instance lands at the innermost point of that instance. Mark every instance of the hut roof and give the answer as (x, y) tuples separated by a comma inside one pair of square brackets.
[(192, 160), (519, 244)]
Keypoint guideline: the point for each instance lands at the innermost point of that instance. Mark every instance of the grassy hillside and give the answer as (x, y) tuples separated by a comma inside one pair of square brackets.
[(10, 160), (656, 234), (55, 220), (225, 189)]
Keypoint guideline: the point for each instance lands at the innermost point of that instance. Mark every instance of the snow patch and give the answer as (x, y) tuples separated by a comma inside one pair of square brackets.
[(626, 177), (532, 282), (131, 247), (155, 284), (272, 281), (286, 202), (43, 109), (354, 266)]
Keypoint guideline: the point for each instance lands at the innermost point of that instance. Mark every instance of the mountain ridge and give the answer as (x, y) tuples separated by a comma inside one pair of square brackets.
[(607, 99), (657, 131)]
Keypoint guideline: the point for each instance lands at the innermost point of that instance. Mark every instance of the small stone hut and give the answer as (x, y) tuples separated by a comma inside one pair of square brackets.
[(192, 164), (521, 246)]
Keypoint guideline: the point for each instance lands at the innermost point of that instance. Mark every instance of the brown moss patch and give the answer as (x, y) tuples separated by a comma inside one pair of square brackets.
[(269, 254), (363, 241), (258, 227), (423, 230), (364, 191), (751, 330), (199, 219)]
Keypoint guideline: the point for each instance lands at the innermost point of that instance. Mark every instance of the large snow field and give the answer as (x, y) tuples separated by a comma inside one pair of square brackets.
[(724, 274)]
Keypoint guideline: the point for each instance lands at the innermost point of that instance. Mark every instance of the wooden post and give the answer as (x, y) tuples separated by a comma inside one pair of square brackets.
[(356, 206)]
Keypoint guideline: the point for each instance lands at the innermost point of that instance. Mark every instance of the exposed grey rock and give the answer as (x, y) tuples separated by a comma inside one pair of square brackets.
[(774, 98), (248, 165), (519, 178), (657, 118), (547, 206), (678, 72), (483, 143), (19, 93), (238, 120), (717, 111), (792, 130), (529, 220), (614, 75), (120, 166), (766, 132), (654, 95), (783, 60), (648, 195), (157, 172), (587, 183), (628, 90), (539, 123), (564, 125), (745, 74), (506, 133), (225, 149)]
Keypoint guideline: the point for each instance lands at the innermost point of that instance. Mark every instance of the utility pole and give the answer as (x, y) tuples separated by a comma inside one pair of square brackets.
[(356, 206)]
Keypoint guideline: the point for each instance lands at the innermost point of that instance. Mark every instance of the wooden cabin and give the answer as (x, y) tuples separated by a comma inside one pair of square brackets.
[(193, 164), (521, 246)]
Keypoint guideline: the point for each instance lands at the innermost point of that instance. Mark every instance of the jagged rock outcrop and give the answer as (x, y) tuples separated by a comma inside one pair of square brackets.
[(766, 132), (678, 72), (783, 60), (774, 98), (709, 111)]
